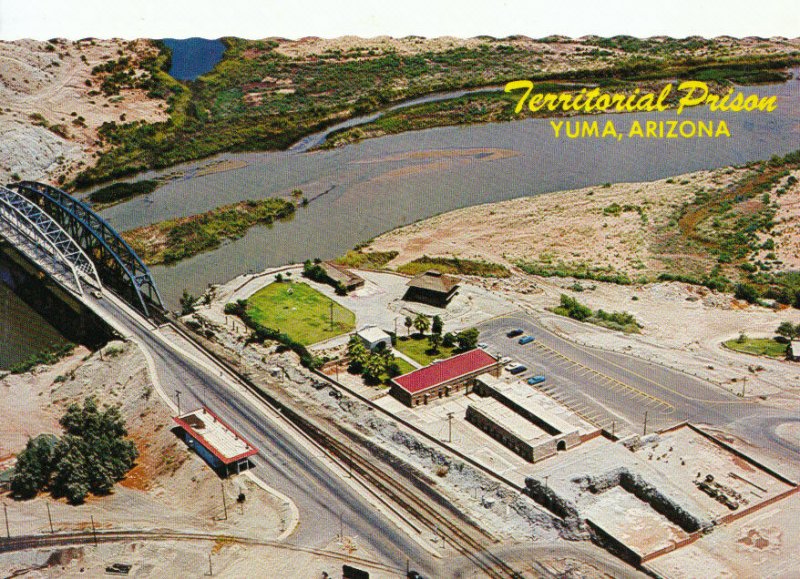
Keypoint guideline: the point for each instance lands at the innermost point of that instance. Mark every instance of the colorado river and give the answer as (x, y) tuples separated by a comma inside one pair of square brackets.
[(360, 191), (382, 183)]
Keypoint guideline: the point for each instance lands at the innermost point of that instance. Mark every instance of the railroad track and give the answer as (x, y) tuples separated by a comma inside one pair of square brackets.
[(468, 539), (465, 537), (105, 536)]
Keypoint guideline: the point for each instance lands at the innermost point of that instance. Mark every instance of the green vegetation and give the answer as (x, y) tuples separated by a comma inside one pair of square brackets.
[(578, 270), (436, 346), (418, 348), (176, 239), (758, 346), (119, 192), (727, 226), (370, 260), (454, 265), (377, 367), (92, 455), (621, 321), (49, 355), (263, 333), (243, 103), (299, 311), (313, 270)]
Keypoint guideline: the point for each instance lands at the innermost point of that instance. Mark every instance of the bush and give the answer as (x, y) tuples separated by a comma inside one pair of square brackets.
[(571, 308), (746, 292)]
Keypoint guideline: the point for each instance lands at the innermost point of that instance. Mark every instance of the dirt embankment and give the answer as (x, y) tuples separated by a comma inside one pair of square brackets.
[(52, 104), (610, 226), (170, 487)]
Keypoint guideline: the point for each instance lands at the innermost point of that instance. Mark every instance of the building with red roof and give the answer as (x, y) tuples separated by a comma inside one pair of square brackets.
[(444, 377), (213, 439)]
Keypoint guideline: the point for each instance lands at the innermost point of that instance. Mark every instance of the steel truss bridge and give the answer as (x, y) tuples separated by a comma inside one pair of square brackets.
[(72, 243)]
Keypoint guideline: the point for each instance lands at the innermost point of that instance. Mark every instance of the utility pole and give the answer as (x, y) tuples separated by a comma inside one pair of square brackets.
[(49, 518), (546, 478), (94, 532), (744, 383), (210, 568), (341, 527), (331, 315), (644, 433), (178, 396), (449, 427), (224, 504), (5, 511), (613, 428)]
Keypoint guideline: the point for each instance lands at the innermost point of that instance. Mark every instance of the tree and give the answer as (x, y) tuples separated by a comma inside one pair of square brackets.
[(449, 340), (34, 465), (358, 354), (437, 326), (374, 368), (468, 339), (435, 340), (279, 278), (187, 303), (422, 323), (787, 330), (92, 455), (408, 322)]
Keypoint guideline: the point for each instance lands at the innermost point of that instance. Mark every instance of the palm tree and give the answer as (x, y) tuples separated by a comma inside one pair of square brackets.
[(422, 323), (408, 322)]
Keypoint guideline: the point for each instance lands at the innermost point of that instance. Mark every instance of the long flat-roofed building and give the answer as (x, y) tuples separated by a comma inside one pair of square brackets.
[(443, 377), (224, 449), (526, 420)]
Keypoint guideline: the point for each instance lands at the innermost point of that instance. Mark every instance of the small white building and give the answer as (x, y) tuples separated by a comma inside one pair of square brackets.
[(793, 351), (373, 336)]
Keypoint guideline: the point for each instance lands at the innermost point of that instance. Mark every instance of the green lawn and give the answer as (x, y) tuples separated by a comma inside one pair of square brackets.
[(300, 311), (417, 348), (405, 367), (759, 346)]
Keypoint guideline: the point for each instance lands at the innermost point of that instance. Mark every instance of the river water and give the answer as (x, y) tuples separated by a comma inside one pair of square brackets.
[(192, 57), (363, 190)]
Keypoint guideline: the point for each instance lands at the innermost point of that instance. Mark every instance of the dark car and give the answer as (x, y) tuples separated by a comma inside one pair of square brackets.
[(514, 333), (517, 370), (414, 575)]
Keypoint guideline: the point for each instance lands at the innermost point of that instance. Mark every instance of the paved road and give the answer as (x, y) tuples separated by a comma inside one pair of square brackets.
[(608, 387), (282, 463)]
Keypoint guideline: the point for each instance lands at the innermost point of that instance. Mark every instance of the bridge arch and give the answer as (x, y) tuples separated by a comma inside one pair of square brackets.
[(117, 263), (28, 224)]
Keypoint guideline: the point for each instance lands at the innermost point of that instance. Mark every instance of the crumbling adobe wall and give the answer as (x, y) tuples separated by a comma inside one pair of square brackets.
[(544, 495), (644, 491)]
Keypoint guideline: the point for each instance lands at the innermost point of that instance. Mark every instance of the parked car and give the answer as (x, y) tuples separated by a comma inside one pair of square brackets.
[(515, 333), (538, 379), (483, 345), (526, 340), (518, 369), (505, 360)]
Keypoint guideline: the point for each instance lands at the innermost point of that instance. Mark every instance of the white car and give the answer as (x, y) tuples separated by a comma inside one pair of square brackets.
[(505, 360), (483, 345)]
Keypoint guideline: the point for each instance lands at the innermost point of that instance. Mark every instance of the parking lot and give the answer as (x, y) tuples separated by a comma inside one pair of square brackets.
[(614, 392)]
